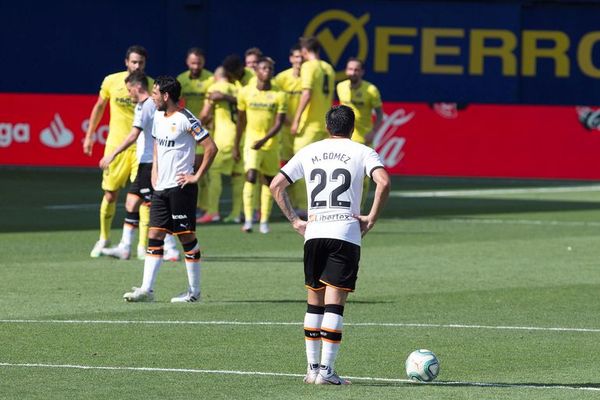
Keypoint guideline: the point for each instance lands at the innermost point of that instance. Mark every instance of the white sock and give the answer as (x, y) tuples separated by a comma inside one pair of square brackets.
[(331, 335), (312, 334), (151, 267), (170, 242), (192, 266), (127, 234)]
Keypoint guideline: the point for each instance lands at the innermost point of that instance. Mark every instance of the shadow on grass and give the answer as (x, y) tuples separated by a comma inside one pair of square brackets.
[(501, 385)]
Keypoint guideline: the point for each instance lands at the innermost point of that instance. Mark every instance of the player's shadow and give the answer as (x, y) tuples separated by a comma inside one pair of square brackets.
[(303, 301), (581, 386)]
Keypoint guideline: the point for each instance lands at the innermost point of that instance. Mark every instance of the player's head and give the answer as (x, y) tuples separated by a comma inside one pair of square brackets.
[(166, 91), (220, 74), (135, 58), (233, 66), (195, 61), (264, 69), (309, 45), (340, 121), (296, 56), (251, 57), (137, 84), (354, 70)]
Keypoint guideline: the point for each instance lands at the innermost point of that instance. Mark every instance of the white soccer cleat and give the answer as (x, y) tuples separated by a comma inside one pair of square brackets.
[(122, 252), (329, 377), (311, 374), (97, 250), (171, 255), (186, 297), (247, 227), (138, 295), (141, 253), (264, 227)]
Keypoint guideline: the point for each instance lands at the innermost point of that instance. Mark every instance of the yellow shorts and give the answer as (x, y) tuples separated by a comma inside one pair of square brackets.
[(226, 165), (264, 161), (123, 168), (286, 144), (308, 136)]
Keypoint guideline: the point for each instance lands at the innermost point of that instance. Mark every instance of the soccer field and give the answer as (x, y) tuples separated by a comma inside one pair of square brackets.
[(500, 279)]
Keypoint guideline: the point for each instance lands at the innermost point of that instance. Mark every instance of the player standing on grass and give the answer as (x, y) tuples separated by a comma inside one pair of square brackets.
[(334, 169), (176, 132), (261, 112), (140, 191), (124, 166)]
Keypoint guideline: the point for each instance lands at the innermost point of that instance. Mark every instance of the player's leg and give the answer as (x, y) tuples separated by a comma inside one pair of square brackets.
[(251, 165), (236, 171), (269, 168), (130, 224), (215, 187)]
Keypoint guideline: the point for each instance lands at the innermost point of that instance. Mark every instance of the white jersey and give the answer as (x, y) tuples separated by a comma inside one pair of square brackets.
[(175, 137), (143, 118), (334, 170)]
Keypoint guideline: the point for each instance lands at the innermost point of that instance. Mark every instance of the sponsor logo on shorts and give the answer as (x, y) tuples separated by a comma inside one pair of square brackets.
[(330, 217), (179, 216)]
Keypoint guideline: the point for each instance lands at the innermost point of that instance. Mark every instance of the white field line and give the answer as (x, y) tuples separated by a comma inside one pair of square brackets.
[(276, 323), (290, 375), (487, 192)]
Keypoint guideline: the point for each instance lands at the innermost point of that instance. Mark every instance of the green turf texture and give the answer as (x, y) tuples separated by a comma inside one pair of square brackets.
[(512, 260)]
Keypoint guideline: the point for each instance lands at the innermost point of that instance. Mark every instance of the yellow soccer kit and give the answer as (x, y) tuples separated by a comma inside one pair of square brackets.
[(362, 100), (319, 77), (193, 90), (225, 119), (261, 107), (292, 86)]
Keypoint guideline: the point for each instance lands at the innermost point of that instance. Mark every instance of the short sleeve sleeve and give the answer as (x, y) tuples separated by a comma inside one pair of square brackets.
[(375, 96), (372, 161), (307, 75), (241, 100), (282, 103), (293, 169), (105, 88), (138, 115)]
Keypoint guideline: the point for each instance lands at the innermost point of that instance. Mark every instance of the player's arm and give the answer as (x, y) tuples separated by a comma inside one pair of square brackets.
[(278, 190), (129, 140), (210, 151), (382, 192), (378, 121), (206, 113), (217, 96), (95, 117), (279, 120), (239, 130), (304, 100)]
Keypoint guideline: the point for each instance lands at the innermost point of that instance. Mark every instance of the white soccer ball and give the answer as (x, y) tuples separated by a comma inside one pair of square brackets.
[(422, 366)]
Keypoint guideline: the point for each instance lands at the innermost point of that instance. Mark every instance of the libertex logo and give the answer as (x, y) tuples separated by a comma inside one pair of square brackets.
[(56, 135), (351, 35)]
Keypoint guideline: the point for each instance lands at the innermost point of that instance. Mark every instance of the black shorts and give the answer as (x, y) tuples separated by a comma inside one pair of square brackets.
[(331, 262), (174, 209), (142, 184)]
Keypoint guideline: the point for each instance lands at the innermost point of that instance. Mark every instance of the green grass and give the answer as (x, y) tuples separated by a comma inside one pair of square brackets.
[(465, 264)]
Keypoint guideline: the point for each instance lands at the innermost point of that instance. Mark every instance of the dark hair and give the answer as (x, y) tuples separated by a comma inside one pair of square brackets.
[(311, 44), (137, 50), (362, 65), (232, 64), (170, 85), (197, 51), (253, 50), (138, 77), (340, 121), (294, 48)]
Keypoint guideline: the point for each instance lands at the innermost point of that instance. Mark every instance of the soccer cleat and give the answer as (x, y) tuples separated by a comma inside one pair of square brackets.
[(186, 297), (141, 253), (97, 250), (329, 377), (138, 295), (122, 252), (171, 254), (264, 227), (232, 219), (208, 218), (311, 374), (247, 227)]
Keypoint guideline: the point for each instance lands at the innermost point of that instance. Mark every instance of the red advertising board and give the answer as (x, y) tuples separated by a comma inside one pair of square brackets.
[(440, 139)]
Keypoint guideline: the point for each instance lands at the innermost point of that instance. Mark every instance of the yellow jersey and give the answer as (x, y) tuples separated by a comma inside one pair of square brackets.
[(292, 86), (193, 90), (261, 107), (319, 77), (225, 116), (362, 100), (114, 90)]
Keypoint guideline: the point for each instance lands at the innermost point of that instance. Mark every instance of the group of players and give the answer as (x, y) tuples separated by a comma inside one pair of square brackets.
[(268, 132)]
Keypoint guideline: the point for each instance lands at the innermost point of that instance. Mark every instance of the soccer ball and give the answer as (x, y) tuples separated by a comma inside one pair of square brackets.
[(422, 366)]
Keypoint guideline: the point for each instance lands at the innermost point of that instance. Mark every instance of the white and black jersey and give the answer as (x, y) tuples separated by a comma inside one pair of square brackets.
[(334, 170), (175, 136), (143, 118)]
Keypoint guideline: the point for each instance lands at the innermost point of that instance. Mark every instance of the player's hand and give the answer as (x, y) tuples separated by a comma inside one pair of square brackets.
[(216, 96), (105, 161), (258, 144), (183, 179), (299, 226), (366, 223), (235, 153), (294, 128), (87, 146)]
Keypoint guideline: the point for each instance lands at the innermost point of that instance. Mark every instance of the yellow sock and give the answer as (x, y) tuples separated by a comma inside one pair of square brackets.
[(107, 213), (256, 194), (144, 225), (237, 186), (248, 197), (214, 189), (266, 203)]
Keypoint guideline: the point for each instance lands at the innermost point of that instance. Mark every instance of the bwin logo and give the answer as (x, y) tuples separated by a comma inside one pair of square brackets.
[(165, 142)]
